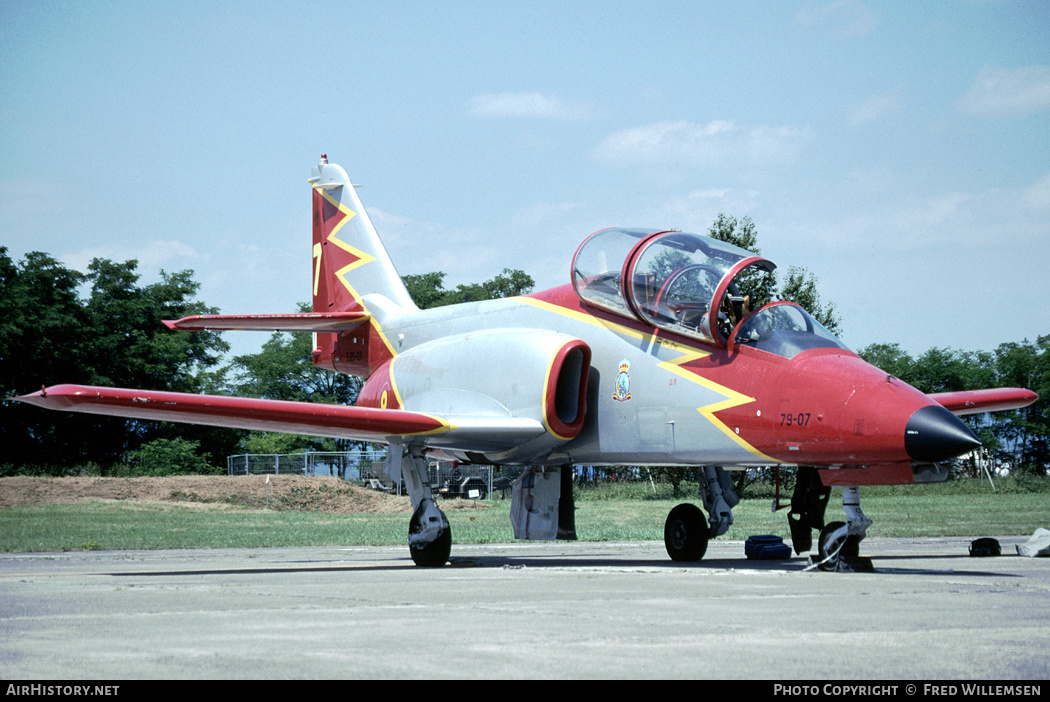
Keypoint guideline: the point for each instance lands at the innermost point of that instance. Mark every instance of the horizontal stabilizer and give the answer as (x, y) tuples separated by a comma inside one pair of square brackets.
[(991, 400), (301, 322), (308, 418)]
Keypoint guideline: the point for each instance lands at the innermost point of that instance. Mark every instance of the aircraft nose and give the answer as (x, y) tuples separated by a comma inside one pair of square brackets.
[(934, 434)]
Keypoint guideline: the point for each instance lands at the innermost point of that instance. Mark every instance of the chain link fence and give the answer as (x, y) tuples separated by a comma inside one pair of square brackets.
[(367, 468)]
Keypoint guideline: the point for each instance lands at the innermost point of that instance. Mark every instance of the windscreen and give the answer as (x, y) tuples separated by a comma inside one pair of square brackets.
[(785, 329)]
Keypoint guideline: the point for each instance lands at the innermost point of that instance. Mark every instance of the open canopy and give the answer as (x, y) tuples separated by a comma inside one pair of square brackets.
[(674, 280)]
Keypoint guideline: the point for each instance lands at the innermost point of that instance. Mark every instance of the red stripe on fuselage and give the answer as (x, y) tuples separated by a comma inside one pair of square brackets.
[(822, 407)]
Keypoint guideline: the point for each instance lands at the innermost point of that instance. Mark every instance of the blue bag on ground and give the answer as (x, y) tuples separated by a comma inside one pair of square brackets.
[(766, 547)]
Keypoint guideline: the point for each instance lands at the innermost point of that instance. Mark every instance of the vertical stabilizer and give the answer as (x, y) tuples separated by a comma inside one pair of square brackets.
[(351, 272), (349, 260)]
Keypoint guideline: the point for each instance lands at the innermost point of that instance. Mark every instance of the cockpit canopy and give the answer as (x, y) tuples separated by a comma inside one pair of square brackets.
[(673, 280)]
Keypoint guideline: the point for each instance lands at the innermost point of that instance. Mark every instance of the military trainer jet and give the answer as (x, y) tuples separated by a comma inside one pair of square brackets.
[(650, 355)]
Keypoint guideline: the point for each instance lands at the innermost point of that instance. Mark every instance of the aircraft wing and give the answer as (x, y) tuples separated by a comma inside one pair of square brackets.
[(482, 433), (303, 322), (991, 400)]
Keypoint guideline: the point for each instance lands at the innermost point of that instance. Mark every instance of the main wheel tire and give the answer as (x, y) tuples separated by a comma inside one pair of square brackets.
[(826, 546), (434, 554), (686, 533)]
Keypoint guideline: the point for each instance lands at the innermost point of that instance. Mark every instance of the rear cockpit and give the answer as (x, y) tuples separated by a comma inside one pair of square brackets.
[(674, 280)]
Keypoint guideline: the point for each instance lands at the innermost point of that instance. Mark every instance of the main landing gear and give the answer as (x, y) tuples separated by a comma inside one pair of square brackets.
[(687, 530), (429, 535), (685, 533)]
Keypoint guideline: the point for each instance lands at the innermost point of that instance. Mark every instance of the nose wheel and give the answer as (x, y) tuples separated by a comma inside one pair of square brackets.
[(836, 547)]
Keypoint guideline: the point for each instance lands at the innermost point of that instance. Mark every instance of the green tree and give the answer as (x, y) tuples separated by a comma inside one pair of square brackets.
[(1019, 438), (800, 286), (427, 289), (130, 346), (758, 284), (171, 457), (114, 337), (42, 328), (742, 234), (1026, 432), (890, 358)]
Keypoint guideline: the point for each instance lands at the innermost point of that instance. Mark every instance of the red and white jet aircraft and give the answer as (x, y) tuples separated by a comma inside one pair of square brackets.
[(649, 356)]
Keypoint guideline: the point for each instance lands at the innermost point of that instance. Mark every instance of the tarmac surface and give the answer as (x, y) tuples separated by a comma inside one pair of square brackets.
[(526, 610)]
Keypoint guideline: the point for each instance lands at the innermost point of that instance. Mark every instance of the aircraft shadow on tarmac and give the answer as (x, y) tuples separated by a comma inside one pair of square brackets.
[(597, 562)]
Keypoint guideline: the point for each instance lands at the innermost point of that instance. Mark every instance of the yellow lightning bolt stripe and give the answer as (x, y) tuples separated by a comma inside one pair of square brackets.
[(594, 321), (675, 365), (733, 398), (362, 259)]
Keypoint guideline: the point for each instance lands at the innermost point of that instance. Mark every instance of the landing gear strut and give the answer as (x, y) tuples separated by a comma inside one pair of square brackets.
[(838, 547), (687, 530), (807, 508), (429, 535)]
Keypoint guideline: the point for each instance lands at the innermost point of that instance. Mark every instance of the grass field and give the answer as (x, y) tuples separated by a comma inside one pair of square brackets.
[(947, 510)]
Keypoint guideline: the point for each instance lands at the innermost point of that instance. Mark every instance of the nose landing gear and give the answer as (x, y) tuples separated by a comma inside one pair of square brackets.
[(838, 547)]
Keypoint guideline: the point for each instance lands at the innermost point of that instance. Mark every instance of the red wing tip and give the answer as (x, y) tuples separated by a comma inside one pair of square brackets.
[(38, 398), (45, 394)]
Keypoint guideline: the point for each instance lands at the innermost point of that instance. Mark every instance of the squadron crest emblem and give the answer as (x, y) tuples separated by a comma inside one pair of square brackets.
[(622, 392)]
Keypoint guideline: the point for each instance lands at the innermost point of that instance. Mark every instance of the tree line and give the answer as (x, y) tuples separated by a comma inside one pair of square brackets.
[(104, 327)]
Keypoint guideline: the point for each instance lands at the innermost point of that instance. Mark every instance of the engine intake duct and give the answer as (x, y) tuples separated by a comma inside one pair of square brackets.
[(565, 397)]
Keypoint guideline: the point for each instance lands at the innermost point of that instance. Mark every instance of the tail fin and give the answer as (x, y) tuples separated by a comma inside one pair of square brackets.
[(352, 272), (349, 260)]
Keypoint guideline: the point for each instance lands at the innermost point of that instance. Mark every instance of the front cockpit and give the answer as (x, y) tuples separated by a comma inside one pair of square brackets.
[(692, 285)]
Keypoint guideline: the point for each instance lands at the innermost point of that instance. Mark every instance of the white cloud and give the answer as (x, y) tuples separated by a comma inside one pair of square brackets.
[(1037, 196), (717, 142), (151, 256), (933, 213), (709, 194), (419, 246), (1001, 92), (528, 105), (841, 19), (695, 211), (873, 109), (544, 212)]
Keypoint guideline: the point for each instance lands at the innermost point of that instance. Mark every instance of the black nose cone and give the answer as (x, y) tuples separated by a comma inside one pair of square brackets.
[(934, 434)]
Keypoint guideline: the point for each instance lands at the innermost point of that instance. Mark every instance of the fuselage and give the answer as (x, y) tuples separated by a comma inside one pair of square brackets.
[(659, 398)]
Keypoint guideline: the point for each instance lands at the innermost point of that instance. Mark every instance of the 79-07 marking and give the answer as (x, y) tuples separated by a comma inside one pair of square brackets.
[(794, 420)]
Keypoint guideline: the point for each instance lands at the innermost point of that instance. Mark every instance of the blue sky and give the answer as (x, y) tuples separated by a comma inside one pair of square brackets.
[(898, 151)]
